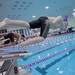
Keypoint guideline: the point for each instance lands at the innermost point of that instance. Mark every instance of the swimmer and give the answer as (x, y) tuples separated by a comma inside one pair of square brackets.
[(8, 38), (43, 23)]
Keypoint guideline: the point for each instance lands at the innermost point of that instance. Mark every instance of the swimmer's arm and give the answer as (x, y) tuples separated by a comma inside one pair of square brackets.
[(32, 41)]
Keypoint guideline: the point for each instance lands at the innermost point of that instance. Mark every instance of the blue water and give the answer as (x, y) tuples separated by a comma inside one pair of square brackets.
[(60, 64), (41, 62)]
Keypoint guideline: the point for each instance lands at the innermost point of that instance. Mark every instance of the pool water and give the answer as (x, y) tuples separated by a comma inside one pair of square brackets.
[(53, 56)]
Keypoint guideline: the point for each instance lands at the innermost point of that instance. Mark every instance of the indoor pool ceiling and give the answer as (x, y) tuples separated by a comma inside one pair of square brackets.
[(29, 9)]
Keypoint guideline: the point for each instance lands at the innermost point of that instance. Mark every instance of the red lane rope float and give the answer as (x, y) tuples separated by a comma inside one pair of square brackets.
[(48, 57)]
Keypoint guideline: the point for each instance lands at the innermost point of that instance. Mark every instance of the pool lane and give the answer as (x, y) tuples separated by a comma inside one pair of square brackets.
[(54, 50), (44, 64), (60, 64), (49, 42)]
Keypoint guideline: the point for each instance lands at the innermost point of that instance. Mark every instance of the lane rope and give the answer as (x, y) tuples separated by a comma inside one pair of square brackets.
[(48, 57)]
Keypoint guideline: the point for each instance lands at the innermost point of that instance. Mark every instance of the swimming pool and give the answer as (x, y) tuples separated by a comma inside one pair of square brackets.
[(53, 56)]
